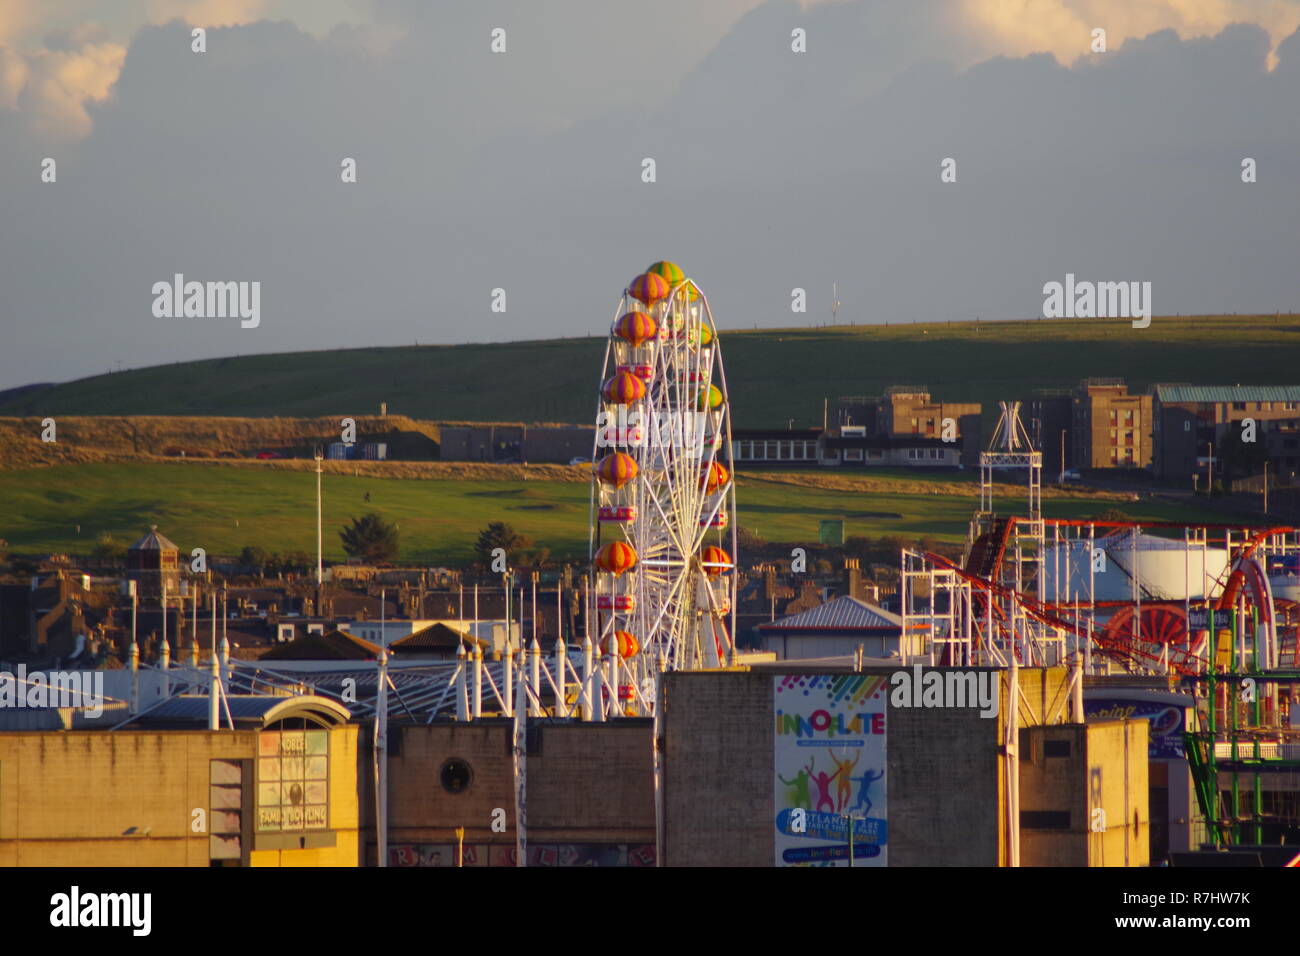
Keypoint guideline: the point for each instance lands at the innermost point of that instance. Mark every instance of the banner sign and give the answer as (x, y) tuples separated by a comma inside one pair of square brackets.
[(829, 761)]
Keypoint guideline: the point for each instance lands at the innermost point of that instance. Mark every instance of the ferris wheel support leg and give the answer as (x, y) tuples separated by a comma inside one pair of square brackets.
[(598, 691), (535, 678), (561, 684), (508, 681), (585, 695), (478, 682), (1076, 690), (462, 687)]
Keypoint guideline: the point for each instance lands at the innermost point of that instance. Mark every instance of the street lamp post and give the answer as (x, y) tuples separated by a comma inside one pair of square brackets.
[(852, 819), (319, 556)]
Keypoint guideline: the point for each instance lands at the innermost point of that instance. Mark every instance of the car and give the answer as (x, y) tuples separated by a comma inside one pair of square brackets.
[(579, 461), (1071, 474), (265, 455)]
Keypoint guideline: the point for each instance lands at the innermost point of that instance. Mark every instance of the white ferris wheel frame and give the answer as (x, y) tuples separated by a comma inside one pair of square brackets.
[(674, 516)]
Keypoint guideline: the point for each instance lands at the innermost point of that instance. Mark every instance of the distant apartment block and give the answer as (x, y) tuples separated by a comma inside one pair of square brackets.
[(903, 428), (1189, 418), (523, 443), (1048, 416), (1112, 428), (909, 410)]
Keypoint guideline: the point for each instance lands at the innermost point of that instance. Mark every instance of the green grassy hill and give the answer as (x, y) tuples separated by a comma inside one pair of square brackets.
[(222, 509), (774, 374)]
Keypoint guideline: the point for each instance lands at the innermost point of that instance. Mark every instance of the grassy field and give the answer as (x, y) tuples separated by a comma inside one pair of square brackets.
[(774, 374), (222, 509)]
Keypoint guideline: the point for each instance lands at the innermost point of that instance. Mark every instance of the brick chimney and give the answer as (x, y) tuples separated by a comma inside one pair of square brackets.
[(852, 582)]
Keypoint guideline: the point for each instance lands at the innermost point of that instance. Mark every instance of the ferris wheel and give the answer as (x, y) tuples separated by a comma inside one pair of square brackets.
[(663, 535)]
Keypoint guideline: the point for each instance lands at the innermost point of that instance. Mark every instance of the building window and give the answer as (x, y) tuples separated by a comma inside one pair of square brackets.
[(772, 449), (455, 775), (225, 809), (875, 454), (292, 780), (785, 453), (1045, 819), (1056, 748), (853, 454)]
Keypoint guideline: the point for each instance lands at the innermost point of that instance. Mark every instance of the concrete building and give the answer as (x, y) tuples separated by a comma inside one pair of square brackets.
[(1048, 416), (516, 442), (153, 563), (1176, 826), (794, 446), (1073, 779), (590, 794), (904, 428), (935, 781), (278, 790), (1111, 428), (1189, 418), (846, 445), (851, 446), (834, 629), (909, 410)]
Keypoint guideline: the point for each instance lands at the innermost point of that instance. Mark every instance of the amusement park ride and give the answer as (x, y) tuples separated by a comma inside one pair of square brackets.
[(663, 538), (1214, 608)]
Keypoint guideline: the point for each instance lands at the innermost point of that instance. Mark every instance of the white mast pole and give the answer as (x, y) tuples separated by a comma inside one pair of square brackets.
[(381, 739), (520, 753), (320, 559)]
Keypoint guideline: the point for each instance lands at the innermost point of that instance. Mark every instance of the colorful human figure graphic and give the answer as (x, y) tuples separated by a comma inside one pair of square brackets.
[(843, 789), (823, 781), (864, 785), (802, 798)]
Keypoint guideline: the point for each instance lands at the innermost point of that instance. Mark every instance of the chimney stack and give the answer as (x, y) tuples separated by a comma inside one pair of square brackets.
[(853, 579)]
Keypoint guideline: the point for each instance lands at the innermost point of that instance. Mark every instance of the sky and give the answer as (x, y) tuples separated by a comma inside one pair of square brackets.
[(523, 170)]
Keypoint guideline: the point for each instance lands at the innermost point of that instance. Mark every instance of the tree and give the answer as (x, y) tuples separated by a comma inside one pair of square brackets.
[(370, 537), (108, 548), (298, 561), (1110, 514), (498, 534), (859, 546), (1241, 457), (890, 547), (253, 557)]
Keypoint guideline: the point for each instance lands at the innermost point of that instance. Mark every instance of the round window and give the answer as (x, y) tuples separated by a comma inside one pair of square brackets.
[(455, 775)]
